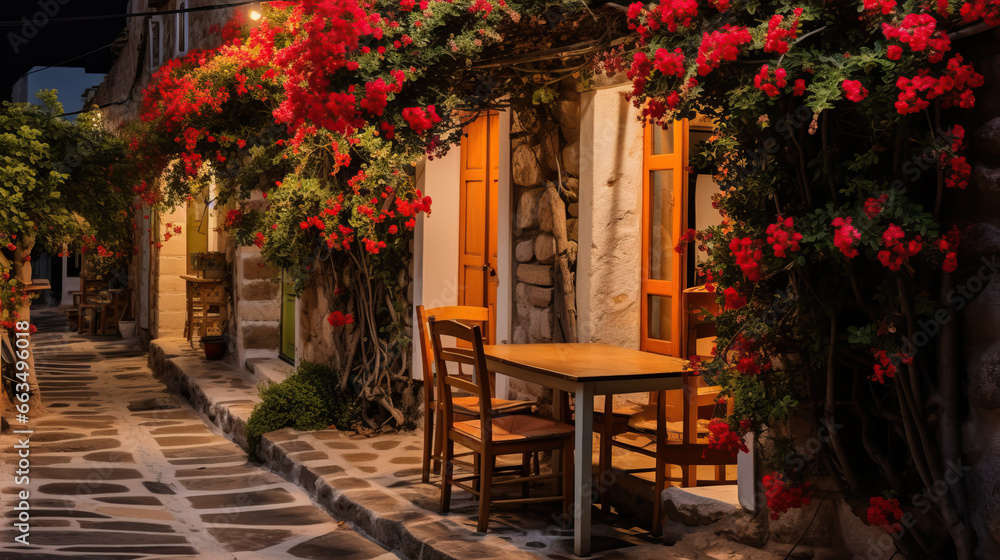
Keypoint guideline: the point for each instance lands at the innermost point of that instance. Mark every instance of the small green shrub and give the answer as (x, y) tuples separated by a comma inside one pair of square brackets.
[(310, 399)]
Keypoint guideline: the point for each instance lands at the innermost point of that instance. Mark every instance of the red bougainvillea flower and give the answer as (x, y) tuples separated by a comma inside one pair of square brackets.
[(339, 319), (748, 256), (689, 236), (721, 437), (259, 240), (953, 88), (769, 84), (919, 33), (883, 6), (782, 237), (778, 35), (981, 9), (854, 91), (734, 300), (845, 237), (722, 45), (782, 496), (948, 244), (885, 513), (873, 206), (897, 251), (669, 63), (799, 88)]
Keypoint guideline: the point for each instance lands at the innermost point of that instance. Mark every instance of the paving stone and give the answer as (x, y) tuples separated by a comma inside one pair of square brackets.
[(241, 540), (158, 487), (270, 496), (295, 515), (216, 471), (232, 482), (66, 473), (360, 457), (109, 457), (185, 441), (63, 488), (127, 526), (131, 500), (78, 445), (342, 545)]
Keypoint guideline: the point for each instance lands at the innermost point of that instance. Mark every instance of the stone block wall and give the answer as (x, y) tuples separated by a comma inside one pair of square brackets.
[(545, 164), (256, 322), (168, 292), (979, 333)]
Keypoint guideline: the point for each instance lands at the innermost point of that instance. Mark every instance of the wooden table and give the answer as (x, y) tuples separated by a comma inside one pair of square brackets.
[(585, 370)]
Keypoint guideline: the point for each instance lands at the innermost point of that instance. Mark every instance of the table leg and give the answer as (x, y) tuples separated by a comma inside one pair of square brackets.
[(583, 469), (559, 412)]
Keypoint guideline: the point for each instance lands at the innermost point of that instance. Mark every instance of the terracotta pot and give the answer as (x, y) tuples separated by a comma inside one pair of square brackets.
[(215, 347)]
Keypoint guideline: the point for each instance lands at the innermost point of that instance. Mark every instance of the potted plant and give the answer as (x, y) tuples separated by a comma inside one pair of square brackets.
[(215, 346)]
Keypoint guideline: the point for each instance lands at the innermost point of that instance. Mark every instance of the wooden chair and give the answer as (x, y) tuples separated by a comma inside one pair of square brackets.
[(491, 436), (678, 420), (466, 408)]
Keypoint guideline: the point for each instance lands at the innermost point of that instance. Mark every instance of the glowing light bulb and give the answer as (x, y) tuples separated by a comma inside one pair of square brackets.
[(255, 15)]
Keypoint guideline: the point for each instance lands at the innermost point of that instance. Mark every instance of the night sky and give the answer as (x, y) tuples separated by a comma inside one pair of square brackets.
[(55, 42)]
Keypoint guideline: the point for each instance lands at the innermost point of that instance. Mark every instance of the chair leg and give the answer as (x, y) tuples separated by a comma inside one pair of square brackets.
[(429, 440), (477, 467), (486, 486), (439, 438), (447, 473), (567, 479), (525, 471)]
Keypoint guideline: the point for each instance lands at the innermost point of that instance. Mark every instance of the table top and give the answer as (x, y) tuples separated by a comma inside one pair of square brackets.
[(582, 362)]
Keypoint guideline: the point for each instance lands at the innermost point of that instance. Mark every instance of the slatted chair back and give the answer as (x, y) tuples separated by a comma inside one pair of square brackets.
[(466, 314), (447, 383)]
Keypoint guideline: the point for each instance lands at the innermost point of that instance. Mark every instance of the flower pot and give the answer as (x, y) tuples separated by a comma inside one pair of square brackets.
[(126, 328), (215, 347)]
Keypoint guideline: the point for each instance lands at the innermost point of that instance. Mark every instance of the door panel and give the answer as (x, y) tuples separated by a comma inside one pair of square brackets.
[(478, 200)]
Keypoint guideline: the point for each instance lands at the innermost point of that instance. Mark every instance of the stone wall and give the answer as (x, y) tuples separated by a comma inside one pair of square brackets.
[(980, 318), (254, 327), (545, 170)]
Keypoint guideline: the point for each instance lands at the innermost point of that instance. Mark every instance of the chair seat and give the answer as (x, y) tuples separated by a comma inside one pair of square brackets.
[(645, 421), (517, 427), (469, 406)]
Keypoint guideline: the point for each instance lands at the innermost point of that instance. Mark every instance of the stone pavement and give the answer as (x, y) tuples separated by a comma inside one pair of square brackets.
[(120, 468), (374, 483)]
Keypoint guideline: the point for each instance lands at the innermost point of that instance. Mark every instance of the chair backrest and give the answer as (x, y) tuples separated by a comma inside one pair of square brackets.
[(465, 314), (447, 383)]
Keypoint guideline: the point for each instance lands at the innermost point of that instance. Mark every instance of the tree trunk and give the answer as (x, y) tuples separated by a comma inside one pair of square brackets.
[(22, 270), (565, 288)]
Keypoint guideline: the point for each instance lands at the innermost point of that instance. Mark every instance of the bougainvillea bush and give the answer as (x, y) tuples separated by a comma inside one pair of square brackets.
[(311, 124), (837, 152)]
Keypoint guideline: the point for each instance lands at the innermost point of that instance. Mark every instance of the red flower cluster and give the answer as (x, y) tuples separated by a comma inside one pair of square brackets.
[(689, 236), (764, 82), (339, 319), (722, 45), (313, 221), (748, 256), (854, 91), (873, 206), (777, 37), (896, 251), (954, 88), (956, 167), (782, 496), (885, 365), (721, 437), (884, 6), (986, 10), (233, 218), (419, 120), (734, 300), (918, 31), (669, 63), (845, 237), (782, 237), (799, 88), (885, 513), (948, 244), (671, 14)]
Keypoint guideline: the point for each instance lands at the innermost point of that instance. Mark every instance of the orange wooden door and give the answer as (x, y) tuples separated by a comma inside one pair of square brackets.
[(478, 201), (663, 202)]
